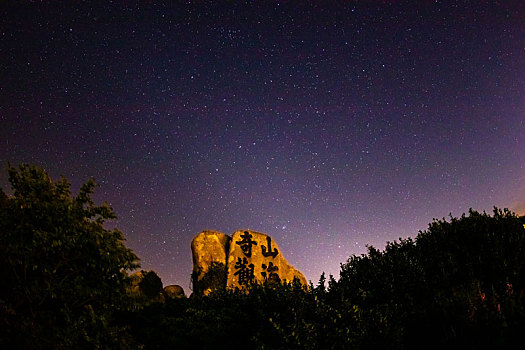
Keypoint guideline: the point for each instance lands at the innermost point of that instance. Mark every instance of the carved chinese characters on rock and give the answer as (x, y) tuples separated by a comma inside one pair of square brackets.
[(269, 272), (255, 258), (268, 251), (244, 267), (246, 244), (244, 271)]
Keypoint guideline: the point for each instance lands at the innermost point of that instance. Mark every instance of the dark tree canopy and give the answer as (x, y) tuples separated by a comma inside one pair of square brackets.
[(63, 273), (460, 283), (151, 284)]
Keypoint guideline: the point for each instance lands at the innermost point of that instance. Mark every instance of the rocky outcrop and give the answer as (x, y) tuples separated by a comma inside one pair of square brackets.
[(146, 287), (220, 261), (210, 256), (174, 292), (255, 257)]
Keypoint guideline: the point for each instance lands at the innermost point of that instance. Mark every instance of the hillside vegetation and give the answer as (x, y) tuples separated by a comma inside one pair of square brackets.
[(65, 278)]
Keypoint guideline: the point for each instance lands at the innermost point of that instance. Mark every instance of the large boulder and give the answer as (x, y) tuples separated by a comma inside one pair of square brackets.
[(145, 287), (174, 292), (255, 257), (210, 256)]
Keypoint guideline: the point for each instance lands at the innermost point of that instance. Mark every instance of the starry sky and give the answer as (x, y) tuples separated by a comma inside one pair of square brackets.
[(328, 125)]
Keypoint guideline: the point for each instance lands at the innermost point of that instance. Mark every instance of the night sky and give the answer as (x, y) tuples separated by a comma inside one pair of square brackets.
[(327, 125)]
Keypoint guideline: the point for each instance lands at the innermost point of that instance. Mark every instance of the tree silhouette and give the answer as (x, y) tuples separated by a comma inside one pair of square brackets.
[(63, 273)]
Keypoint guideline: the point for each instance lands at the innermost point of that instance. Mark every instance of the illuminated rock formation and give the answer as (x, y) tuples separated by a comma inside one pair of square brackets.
[(255, 257), (174, 292), (210, 255), (248, 257)]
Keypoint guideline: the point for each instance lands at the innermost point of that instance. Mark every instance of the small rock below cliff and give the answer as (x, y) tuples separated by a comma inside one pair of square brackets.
[(174, 292)]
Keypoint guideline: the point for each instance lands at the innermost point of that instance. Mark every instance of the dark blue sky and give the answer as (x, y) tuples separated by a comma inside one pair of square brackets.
[(328, 125)]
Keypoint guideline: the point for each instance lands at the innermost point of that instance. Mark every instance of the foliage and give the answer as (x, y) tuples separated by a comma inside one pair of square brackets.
[(284, 316), (151, 284), (214, 279), (459, 283), (63, 274)]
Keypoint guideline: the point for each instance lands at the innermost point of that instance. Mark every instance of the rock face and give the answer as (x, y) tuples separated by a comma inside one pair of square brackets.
[(210, 256), (145, 287), (174, 292), (255, 257), (221, 261)]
